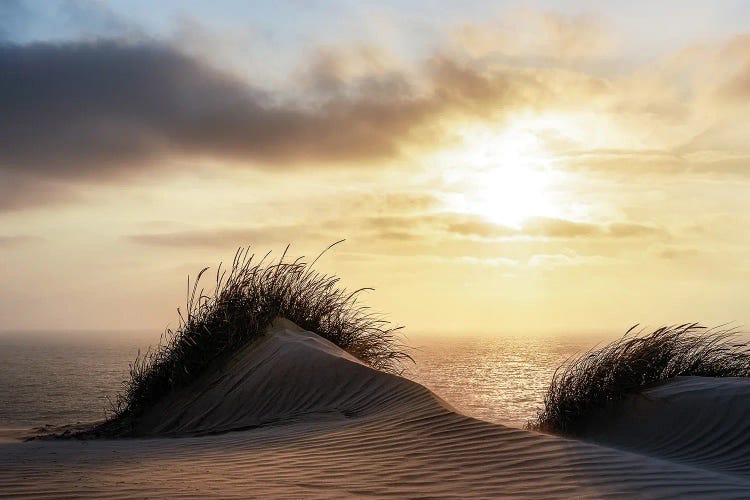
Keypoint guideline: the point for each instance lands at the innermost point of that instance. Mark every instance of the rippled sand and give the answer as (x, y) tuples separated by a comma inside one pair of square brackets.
[(319, 424)]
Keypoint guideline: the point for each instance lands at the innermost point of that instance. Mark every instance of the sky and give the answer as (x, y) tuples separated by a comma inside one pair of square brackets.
[(495, 167)]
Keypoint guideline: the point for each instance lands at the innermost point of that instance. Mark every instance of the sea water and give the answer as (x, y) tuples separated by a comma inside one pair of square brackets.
[(66, 377), (495, 378)]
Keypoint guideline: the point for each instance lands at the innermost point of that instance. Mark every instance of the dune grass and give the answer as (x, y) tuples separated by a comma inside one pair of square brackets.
[(586, 385), (244, 301)]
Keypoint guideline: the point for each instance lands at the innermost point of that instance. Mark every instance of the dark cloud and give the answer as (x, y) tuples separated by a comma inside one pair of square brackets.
[(87, 109), (92, 109)]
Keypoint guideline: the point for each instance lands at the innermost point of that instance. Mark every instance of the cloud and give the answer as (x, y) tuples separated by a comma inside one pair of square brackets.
[(96, 109), (435, 226), (690, 159), (20, 191), (678, 253), (223, 237), (397, 235), (397, 202), (473, 226), (736, 63), (561, 228), (627, 230), (107, 109), (93, 109), (7, 241), (543, 37), (333, 70), (568, 259)]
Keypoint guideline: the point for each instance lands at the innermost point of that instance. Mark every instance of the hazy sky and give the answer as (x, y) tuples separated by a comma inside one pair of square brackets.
[(500, 167)]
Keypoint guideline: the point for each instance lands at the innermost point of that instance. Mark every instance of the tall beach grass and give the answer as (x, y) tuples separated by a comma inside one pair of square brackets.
[(244, 300), (586, 385)]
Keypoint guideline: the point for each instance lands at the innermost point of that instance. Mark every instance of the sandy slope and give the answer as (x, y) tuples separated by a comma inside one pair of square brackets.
[(692, 420), (323, 425), (290, 376)]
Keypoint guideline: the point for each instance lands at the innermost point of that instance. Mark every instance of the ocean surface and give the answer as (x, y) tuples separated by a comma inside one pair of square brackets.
[(63, 377)]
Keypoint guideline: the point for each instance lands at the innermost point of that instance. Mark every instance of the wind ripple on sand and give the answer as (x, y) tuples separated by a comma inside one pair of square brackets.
[(698, 421)]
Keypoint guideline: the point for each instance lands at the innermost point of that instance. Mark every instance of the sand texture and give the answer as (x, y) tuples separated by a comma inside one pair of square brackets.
[(294, 416), (697, 421)]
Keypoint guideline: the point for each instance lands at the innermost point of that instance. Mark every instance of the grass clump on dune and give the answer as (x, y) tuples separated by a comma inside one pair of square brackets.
[(584, 386), (245, 300)]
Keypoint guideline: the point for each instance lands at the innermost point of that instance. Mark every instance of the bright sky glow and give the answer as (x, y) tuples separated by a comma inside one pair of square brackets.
[(497, 167)]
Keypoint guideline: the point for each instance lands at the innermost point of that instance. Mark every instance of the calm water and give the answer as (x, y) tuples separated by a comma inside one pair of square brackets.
[(65, 381), (496, 379)]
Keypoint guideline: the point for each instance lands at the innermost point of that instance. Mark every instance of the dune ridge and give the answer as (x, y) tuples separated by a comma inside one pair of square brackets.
[(290, 375), (323, 425)]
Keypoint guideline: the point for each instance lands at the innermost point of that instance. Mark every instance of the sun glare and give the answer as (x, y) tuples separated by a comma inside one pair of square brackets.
[(504, 176)]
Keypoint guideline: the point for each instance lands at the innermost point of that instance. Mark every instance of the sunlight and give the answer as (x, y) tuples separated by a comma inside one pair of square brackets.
[(505, 177)]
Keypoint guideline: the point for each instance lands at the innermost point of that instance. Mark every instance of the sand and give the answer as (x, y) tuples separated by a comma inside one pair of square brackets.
[(696, 421), (294, 416)]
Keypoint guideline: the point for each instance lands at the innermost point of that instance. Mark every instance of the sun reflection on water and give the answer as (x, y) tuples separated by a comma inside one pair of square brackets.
[(500, 380)]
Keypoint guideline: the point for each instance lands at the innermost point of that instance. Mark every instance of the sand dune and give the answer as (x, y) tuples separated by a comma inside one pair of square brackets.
[(693, 420), (319, 424), (289, 376)]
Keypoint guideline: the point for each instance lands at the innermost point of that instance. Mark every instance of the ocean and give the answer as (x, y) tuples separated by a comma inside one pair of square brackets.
[(66, 377)]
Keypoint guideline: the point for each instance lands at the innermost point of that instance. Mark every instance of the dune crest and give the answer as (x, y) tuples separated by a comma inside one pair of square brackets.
[(289, 375)]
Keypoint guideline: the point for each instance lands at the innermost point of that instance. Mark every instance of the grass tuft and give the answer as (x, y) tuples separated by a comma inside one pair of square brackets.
[(583, 386), (245, 299)]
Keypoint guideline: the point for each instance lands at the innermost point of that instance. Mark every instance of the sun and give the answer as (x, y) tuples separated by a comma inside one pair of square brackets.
[(505, 177), (510, 194)]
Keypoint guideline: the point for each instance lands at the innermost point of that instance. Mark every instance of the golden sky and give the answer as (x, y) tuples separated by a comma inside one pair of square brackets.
[(519, 169)]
